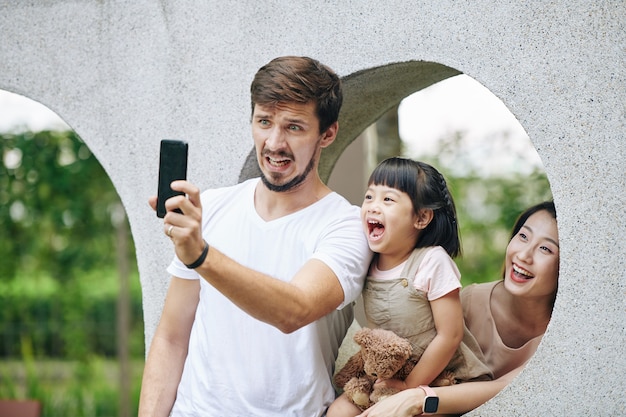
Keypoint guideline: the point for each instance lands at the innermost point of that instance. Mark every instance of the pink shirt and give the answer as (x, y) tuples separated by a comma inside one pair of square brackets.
[(437, 276)]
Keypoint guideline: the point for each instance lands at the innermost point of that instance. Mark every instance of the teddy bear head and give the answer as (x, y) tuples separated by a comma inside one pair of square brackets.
[(383, 352)]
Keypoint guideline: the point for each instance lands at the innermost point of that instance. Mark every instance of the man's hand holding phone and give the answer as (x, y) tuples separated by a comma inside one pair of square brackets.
[(172, 167), (178, 202)]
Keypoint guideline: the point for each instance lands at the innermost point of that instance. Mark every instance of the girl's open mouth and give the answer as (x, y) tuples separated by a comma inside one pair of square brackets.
[(376, 229)]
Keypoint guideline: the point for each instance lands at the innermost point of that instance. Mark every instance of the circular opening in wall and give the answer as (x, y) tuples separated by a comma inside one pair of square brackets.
[(457, 125)]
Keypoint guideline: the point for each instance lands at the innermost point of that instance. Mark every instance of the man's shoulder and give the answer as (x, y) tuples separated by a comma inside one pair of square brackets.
[(337, 200), (335, 207)]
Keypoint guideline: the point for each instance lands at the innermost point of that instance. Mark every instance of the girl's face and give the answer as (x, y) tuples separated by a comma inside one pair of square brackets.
[(390, 223), (532, 258)]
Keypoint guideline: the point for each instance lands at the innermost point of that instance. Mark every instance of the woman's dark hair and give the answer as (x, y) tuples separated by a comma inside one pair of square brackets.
[(546, 205), (293, 79), (427, 189)]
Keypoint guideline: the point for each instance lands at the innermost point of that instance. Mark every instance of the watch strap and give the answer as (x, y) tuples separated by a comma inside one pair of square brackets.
[(431, 397), (428, 390)]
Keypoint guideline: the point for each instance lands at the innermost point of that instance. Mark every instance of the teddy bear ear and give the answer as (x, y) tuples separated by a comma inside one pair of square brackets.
[(362, 335), (407, 349)]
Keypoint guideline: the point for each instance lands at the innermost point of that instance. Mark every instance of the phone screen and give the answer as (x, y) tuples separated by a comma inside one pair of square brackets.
[(172, 166)]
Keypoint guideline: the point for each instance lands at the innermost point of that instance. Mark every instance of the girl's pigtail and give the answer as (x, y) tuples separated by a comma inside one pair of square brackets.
[(454, 248), (447, 199)]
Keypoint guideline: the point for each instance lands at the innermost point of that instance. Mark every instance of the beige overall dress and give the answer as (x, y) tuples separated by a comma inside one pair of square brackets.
[(395, 304)]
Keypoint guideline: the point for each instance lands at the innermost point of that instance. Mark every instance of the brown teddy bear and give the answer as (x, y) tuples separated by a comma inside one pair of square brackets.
[(383, 355)]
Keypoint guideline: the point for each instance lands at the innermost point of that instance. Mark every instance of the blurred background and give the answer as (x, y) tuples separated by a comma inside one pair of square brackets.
[(71, 325)]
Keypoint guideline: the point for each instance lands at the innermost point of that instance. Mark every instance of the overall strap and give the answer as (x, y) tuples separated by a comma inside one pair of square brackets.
[(413, 264)]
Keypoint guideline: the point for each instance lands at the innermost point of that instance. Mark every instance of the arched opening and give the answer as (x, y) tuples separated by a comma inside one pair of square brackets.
[(71, 323), (492, 169)]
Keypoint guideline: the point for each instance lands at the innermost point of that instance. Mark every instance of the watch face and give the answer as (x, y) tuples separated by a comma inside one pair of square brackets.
[(431, 404)]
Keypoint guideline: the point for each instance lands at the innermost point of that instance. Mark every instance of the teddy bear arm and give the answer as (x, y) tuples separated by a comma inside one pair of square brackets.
[(358, 391), (379, 394), (352, 368)]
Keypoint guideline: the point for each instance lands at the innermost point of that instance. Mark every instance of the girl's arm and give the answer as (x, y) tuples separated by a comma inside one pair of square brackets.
[(448, 317)]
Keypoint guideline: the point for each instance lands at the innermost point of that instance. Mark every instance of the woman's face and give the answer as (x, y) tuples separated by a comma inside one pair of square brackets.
[(532, 258)]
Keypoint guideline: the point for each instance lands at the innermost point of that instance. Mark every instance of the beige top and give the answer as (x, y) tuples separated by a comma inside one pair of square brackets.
[(500, 358)]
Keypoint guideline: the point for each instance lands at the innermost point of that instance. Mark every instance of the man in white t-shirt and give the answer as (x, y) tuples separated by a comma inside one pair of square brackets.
[(265, 272)]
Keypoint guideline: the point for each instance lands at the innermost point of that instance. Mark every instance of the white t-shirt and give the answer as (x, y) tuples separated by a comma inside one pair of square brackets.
[(240, 366)]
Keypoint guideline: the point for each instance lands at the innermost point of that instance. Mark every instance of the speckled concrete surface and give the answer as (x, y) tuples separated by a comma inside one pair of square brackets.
[(126, 74)]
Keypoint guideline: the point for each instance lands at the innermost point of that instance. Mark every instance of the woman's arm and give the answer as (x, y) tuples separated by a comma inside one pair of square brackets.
[(454, 399)]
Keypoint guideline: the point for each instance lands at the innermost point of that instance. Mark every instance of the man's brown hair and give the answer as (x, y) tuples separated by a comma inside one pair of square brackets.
[(292, 79)]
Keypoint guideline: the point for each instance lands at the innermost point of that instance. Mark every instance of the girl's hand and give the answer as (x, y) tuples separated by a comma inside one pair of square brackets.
[(395, 384)]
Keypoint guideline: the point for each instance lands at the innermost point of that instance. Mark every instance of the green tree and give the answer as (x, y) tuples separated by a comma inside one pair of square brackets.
[(59, 228), (487, 206), (56, 204)]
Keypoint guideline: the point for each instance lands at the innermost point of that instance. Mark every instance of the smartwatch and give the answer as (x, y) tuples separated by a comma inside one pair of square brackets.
[(431, 401)]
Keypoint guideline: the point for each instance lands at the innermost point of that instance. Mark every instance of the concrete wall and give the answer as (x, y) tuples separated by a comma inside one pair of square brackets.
[(126, 74)]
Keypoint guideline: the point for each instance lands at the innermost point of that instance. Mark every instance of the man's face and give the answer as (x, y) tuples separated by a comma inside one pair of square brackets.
[(287, 142)]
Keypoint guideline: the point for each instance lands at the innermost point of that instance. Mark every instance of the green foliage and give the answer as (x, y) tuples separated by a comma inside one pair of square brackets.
[(70, 388), (487, 207), (66, 321), (55, 206), (58, 280), (59, 283)]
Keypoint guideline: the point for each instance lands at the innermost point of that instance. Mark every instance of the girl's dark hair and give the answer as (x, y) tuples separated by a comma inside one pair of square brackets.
[(427, 189), (293, 79)]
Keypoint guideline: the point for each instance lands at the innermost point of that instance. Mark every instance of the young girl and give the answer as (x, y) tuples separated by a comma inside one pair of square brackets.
[(413, 284)]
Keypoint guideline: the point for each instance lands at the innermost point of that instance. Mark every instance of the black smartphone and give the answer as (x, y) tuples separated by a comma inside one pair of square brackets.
[(172, 166)]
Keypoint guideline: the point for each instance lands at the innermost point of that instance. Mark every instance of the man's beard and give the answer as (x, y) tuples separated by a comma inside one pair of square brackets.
[(291, 184)]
